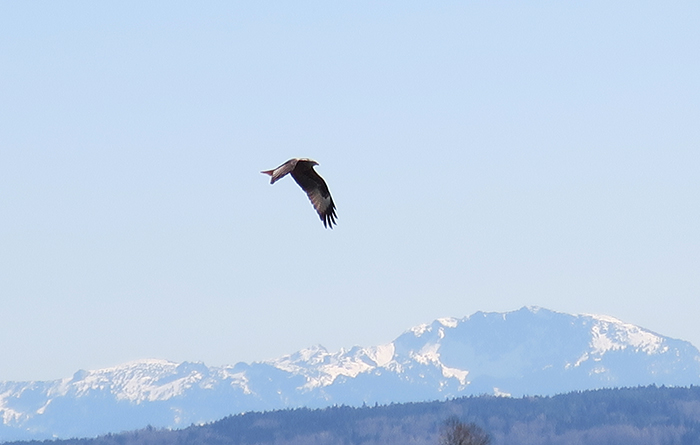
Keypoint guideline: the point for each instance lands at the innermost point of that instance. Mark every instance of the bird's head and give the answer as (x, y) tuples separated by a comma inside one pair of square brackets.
[(311, 161)]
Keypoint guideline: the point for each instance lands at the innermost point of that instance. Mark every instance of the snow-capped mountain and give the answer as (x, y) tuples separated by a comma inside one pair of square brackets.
[(530, 351)]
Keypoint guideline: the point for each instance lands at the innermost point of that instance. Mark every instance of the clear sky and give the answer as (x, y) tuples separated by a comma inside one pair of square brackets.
[(482, 156)]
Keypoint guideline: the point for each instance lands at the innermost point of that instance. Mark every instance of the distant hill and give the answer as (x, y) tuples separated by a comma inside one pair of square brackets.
[(632, 416), (532, 351)]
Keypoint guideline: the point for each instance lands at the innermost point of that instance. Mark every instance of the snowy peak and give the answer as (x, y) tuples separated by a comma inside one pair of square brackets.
[(138, 381), (460, 355), (381, 355), (609, 334), (321, 368), (487, 352)]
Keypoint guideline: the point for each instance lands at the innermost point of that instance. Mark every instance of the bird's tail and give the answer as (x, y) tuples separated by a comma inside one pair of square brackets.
[(270, 173)]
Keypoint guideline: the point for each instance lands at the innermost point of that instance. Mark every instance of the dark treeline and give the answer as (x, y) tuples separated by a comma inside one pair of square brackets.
[(646, 415)]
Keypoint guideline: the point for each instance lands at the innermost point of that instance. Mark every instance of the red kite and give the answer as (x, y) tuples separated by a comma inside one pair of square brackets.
[(302, 170)]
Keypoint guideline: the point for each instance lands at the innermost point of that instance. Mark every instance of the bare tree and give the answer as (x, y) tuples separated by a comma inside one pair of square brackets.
[(456, 432)]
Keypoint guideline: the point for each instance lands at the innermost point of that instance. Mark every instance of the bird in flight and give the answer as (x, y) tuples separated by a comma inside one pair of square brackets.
[(302, 170)]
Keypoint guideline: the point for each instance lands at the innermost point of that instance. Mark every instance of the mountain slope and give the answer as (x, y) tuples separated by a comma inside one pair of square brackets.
[(529, 351)]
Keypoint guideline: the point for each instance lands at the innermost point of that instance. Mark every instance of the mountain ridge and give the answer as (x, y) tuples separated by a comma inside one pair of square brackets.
[(530, 351)]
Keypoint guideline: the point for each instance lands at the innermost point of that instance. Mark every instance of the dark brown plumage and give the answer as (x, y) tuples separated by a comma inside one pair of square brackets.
[(302, 170)]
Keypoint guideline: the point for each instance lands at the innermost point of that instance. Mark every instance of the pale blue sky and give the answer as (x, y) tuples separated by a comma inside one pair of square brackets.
[(482, 155)]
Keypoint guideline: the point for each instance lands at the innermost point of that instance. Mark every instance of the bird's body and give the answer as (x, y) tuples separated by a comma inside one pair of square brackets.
[(302, 170)]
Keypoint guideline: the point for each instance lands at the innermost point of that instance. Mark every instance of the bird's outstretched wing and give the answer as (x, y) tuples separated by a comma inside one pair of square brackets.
[(319, 195)]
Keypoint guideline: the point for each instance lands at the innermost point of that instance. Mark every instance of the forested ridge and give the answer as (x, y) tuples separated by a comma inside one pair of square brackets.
[(644, 415)]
